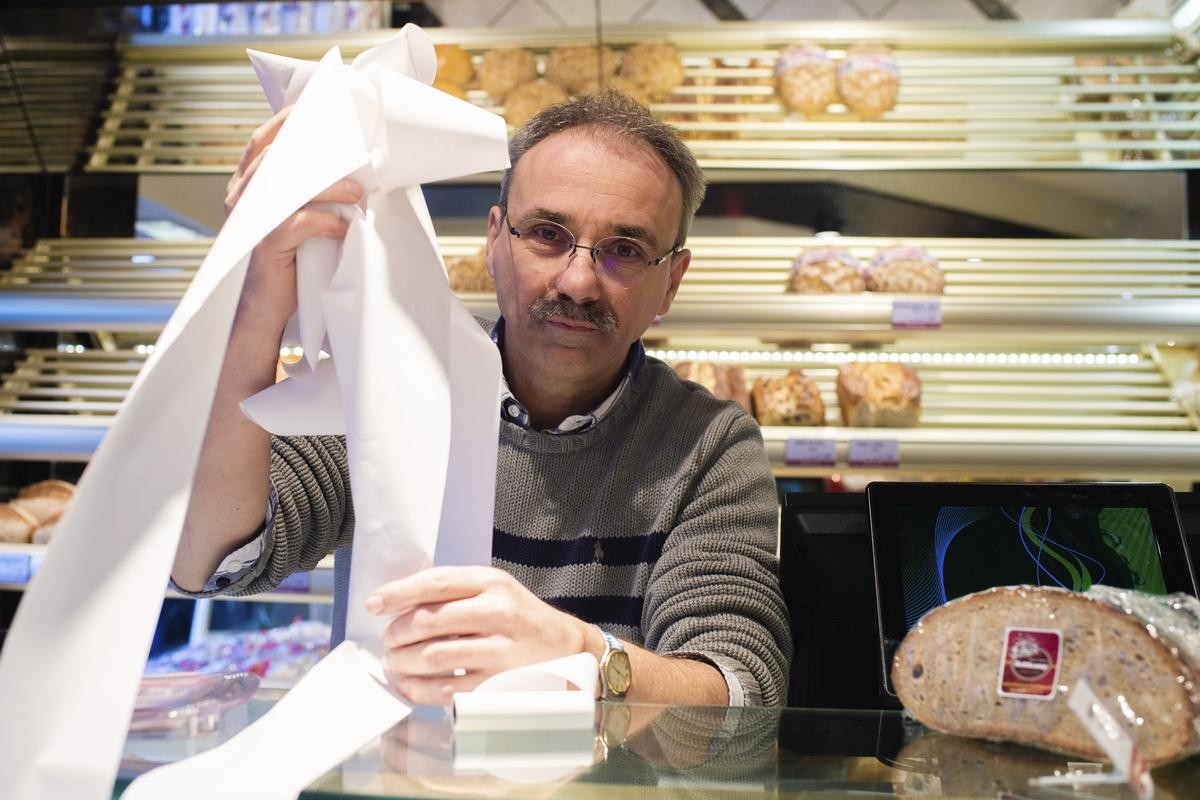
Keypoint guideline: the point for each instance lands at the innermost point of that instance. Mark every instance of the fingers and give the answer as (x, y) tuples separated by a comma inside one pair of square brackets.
[(343, 191), (433, 585), (435, 690), (448, 656), (241, 179), (263, 135)]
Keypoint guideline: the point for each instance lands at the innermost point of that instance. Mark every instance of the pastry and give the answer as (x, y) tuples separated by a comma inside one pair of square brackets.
[(655, 66), (905, 270), (524, 102), (951, 668), (826, 269), (623, 85), (790, 400), (806, 79), (450, 88), (571, 66), (724, 381), (469, 273), (869, 81), (504, 69), (454, 64), (878, 395), (16, 524)]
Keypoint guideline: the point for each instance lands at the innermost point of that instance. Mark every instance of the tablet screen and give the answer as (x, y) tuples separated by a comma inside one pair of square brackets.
[(948, 551)]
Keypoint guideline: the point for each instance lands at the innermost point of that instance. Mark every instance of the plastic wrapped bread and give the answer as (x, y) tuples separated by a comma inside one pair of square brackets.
[(1001, 664), (790, 400), (905, 270), (878, 395), (724, 381), (869, 81), (504, 69), (573, 65), (806, 79), (825, 270), (655, 66)]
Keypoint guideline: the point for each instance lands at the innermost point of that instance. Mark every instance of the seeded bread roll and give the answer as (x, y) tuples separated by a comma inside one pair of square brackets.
[(573, 65), (806, 79), (524, 102), (469, 273), (878, 395), (869, 81), (826, 269), (454, 64), (656, 66), (504, 69), (16, 524), (791, 400), (905, 270), (947, 673), (724, 381)]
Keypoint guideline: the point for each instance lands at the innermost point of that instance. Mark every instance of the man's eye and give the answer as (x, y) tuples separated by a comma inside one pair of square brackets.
[(545, 233), (625, 250)]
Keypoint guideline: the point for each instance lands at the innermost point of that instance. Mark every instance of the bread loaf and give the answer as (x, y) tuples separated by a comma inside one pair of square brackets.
[(454, 64), (948, 671), (878, 395), (791, 400), (724, 381), (905, 270), (16, 524), (655, 66), (44, 500), (806, 79), (572, 66), (826, 269), (524, 102), (469, 273), (504, 69), (869, 80)]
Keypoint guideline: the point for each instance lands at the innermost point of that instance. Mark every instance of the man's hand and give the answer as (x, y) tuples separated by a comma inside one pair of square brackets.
[(456, 626), (271, 281)]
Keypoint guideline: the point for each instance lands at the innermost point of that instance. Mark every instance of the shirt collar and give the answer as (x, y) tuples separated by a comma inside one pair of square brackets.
[(512, 410)]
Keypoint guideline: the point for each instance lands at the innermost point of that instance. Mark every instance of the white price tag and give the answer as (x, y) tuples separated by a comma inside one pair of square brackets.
[(917, 314), (873, 453), (811, 452)]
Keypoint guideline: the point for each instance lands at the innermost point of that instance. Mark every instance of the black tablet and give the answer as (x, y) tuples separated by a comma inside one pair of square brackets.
[(933, 542)]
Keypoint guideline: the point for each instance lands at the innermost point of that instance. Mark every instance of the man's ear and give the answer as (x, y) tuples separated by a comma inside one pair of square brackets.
[(679, 265), (495, 226)]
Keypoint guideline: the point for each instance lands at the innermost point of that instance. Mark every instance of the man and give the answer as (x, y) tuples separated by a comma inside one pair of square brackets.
[(625, 497)]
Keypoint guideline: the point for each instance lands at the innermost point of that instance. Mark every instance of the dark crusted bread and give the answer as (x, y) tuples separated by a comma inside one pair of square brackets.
[(946, 672)]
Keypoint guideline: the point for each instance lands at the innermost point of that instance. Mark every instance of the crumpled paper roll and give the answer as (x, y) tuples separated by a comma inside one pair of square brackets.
[(406, 359)]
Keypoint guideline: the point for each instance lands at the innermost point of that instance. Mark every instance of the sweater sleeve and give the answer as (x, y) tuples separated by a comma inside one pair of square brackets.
[(714, 592), (313, 516)]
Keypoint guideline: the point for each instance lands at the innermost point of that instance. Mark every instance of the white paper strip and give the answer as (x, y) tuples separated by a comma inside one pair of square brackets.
[(399, 343), (553, 694)]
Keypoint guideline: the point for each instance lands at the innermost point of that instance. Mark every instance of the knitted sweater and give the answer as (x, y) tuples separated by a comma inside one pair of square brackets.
[(658, 524)]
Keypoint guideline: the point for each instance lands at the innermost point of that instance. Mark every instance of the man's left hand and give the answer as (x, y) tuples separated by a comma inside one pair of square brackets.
[(456, 626)]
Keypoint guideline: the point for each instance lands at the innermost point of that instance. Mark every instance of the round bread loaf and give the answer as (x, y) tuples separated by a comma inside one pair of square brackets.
[(869, 81), (450, 88), (905, 270), (825, 270), (655, 66), (524, 102), (790, 400), (806, 79), (623, 85), (505, 68), (52, 488), (469, 273), (574, 65), (16, 524), (947, 673), (878, 395), (454, 64), (724, 381)]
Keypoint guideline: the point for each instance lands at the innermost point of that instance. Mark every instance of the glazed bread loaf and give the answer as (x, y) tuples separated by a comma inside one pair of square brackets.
[(724, 381), (791, 400), (878, 395), (826, 270), (947, 672)]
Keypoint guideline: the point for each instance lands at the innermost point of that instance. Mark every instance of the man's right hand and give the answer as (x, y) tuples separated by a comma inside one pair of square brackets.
[(270, 288)]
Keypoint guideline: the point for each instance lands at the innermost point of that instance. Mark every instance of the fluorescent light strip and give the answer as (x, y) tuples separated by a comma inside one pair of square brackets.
[(828, 357)]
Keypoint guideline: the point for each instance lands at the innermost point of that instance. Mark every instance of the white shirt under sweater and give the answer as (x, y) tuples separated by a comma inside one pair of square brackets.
[(657, 522)]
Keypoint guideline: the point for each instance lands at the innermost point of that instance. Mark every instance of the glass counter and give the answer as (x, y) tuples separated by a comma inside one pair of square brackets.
[(679, 751)]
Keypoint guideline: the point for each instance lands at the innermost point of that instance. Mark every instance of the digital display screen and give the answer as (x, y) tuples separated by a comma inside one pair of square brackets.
[(948, 551)]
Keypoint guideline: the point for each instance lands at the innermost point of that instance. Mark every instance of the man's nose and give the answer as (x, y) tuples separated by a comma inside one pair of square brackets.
[(579, 279)]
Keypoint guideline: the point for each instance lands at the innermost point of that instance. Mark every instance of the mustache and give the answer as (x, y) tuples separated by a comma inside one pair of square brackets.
[(545, 308)]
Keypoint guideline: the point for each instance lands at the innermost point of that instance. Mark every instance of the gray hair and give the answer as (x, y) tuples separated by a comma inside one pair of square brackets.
[(615, 113)]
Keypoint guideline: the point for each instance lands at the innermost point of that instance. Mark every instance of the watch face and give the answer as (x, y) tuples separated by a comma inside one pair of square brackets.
[(617, 672)]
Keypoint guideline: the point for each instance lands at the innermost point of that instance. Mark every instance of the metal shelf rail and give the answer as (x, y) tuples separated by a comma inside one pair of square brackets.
[(1103, 94)]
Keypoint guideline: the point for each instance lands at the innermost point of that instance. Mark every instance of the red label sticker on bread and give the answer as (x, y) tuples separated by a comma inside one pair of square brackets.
[(1029, 667)]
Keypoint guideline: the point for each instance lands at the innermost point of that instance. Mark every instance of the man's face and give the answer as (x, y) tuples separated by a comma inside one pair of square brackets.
[(569, 319)]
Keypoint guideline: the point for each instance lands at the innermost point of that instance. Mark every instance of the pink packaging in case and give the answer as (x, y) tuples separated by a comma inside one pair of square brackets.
[(188, 703)]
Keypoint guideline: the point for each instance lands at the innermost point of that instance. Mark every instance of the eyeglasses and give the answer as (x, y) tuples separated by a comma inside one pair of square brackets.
[(619, 257)]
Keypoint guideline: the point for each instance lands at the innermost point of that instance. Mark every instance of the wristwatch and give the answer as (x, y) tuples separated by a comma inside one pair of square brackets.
[(615, 673)]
